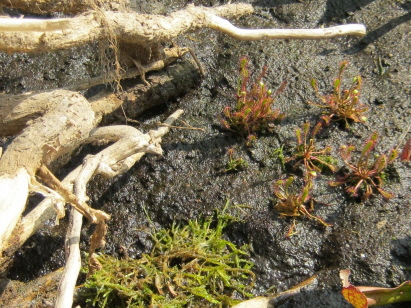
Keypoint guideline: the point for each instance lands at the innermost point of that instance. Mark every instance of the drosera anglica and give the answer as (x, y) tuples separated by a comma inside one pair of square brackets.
[(234, 164), (363, 175), (306, 152), (293, 205), (253, 113), (341, 104)]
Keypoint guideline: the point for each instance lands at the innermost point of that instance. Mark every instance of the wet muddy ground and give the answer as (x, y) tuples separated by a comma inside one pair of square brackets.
[(373, 239)]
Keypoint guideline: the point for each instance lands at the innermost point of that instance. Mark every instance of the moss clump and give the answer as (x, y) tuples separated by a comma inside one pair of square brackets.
[(189, 266)]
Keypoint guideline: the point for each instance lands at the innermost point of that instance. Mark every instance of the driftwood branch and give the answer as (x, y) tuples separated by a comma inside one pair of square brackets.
[(228, 28), (133, 28), (73, 262), (111, 159), (129, 28)]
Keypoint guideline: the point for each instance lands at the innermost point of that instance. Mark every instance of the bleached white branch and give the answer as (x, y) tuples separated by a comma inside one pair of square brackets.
[(73, 262), (224, 26)]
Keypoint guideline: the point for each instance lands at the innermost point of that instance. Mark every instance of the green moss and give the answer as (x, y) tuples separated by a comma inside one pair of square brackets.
[(189, 266)]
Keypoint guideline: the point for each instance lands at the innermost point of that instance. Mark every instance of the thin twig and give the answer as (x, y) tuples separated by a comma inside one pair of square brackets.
[(187, 126), (200, 67)]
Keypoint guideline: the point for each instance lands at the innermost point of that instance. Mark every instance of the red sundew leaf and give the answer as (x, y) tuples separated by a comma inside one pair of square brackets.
[(355, 297), (306, 128), (343, 66), (316, 129), (337, 84), (314, 85), (368, 147), (406, 151), (305, 194), (298, 135), (392, 156), (288, 182), (281, 88), (387, 195)]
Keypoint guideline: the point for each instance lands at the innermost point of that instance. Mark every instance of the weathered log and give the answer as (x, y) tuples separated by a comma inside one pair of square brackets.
[(65, 125), (66, 122)]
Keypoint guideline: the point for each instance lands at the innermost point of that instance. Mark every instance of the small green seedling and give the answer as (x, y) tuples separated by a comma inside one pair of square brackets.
[(279, 155), (253, 113), (306, 152), (341, 105), (294, 205), (364, 175), (234, 164)]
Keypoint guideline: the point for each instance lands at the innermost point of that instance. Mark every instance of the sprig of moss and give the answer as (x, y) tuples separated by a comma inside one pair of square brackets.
[(189, 266)]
